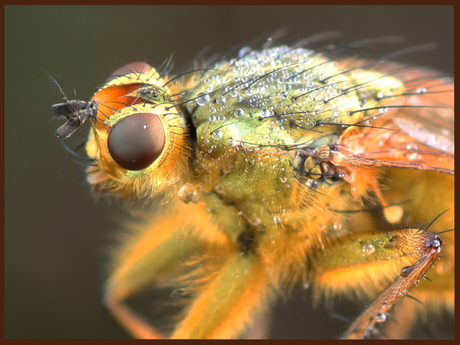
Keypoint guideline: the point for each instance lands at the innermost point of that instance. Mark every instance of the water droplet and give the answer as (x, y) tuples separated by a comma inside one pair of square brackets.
[(412, 156), (202, 98), (221, 100), (380, 317), (313, 184), (217, 134), (383, 110), (367, 248), (232, 142), (189, 193), (264, 113), (238, 112), (406, 271), (243, 51)]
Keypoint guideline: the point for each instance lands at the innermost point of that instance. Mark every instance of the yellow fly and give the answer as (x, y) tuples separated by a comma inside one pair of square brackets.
[(282, 165)]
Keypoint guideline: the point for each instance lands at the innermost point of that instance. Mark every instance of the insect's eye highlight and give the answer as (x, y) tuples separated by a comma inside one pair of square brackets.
[(136, 141)]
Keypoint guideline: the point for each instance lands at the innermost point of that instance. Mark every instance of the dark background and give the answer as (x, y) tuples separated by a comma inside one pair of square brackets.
[(57, 237)]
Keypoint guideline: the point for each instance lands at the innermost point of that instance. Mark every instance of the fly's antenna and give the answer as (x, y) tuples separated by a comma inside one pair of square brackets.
[(56, 82)]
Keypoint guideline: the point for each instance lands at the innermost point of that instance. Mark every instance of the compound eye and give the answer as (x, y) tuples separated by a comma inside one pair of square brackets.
[(136, 141)]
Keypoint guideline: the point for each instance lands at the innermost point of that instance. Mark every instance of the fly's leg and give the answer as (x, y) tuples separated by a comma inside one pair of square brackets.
[(156, 251), (226, 306), (410, 276), (199, 249), (367, 261), (363, 263), (436, 294), (427, 191)]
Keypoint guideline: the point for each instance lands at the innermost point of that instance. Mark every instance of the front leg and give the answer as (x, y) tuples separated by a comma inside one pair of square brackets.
[(158, 249)]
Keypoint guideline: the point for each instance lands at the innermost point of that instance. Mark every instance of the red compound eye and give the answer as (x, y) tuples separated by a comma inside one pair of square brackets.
[(133, 67), (137, 141)]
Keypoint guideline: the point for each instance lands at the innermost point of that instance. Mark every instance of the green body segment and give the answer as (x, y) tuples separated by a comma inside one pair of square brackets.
[(253, 114)]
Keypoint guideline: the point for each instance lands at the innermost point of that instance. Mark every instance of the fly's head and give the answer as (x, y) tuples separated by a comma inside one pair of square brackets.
[(137, 137)]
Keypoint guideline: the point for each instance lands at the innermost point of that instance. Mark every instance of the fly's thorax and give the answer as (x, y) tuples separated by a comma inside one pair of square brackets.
[(137, 139), (280, 96), (253, 114)]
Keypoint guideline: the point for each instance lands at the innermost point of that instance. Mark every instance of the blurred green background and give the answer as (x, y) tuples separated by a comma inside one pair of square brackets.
[(57, 237)]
